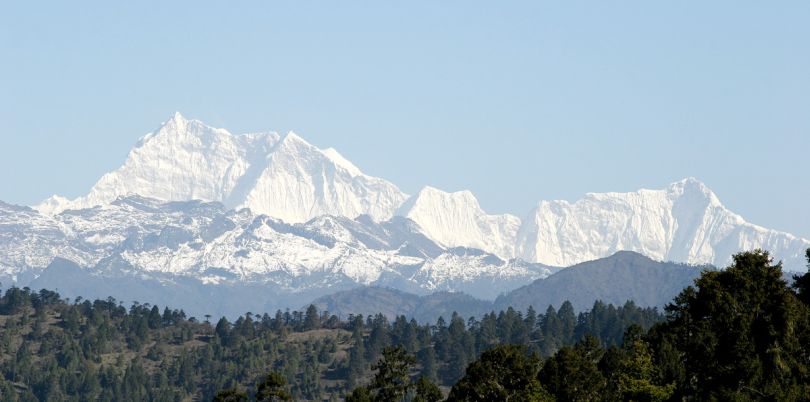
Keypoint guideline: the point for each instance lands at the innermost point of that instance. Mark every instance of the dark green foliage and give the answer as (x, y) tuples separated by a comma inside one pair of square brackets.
[(231, 395), (738, 334), (272, 388), (427, 391), (100, 350), (573, 374), (741, 334), (802, 283), (359, 394), (312, 320), (392, 379), (504, 373)]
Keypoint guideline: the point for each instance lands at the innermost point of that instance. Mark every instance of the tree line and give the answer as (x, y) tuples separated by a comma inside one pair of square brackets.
[(55, 349), (739, 334)]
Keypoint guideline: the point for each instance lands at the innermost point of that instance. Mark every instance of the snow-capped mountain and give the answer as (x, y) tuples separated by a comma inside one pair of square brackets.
[(684, 222), (456, 219), (208, 243), (198, 211), (283, 177)]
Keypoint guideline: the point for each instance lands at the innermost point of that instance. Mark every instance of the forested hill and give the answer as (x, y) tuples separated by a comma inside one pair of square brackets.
[(55, 349), (623, 276), (739, 334), (616, 279)]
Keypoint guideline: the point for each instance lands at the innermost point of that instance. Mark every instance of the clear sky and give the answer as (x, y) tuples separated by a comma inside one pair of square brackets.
[(516, 101)]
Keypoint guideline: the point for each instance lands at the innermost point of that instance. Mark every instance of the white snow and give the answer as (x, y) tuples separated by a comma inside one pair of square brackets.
[(684, 222), (290, 180), (286, 178), (456, 219), (155, 237)]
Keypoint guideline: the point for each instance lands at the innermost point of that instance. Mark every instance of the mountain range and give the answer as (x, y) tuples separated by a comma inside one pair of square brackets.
[(616, 279), (195, 210)]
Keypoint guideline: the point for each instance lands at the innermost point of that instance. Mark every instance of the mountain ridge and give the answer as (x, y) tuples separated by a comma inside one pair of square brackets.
[(616, 279), (283, 176), (288, 210)]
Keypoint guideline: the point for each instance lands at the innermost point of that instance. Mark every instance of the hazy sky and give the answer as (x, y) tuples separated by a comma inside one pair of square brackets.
[(516, 101)]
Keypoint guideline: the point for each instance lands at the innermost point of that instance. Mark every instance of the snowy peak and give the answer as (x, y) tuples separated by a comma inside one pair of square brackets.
[(339, 160), (456, 219), (289, 179), (182, 160), (283, 177), (177, 123), (694, 189), (684, 222), (300, 182), (53, 204), (293, 141)]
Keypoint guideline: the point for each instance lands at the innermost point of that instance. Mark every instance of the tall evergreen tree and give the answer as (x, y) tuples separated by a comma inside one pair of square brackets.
[(740, 334), (311, 319), (392, 380), (272, 388), (572, 374), (504, 373)]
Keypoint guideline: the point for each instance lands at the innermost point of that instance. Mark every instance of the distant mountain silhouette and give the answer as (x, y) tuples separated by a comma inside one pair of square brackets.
[(624, 276), (371, 300), (616, 279)]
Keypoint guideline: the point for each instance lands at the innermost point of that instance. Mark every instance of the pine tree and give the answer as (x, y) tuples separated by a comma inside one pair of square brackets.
[(426, 391), (392, 380), (572, 373), (357, 362), (272, 387), (312, 320), (568, 322), (503, 373), (742, 334), (552, 332), (231, 395)]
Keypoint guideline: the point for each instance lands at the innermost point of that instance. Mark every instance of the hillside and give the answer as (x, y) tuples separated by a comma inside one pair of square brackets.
[(392, 303), (55, 349), (616, 279), (624, 276)]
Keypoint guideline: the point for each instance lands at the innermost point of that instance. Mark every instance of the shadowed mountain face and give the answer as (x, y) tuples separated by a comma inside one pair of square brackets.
[(616, 279), (392, 303)]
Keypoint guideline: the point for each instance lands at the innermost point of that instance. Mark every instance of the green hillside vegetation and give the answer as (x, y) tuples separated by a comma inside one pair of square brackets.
[(53, 349), (741, 334), (738, 334)]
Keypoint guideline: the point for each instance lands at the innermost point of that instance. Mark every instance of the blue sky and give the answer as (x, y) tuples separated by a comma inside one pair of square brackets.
[(516, 101)]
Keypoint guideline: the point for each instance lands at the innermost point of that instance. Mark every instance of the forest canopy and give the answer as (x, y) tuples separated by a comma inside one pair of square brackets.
[(741, 333)]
